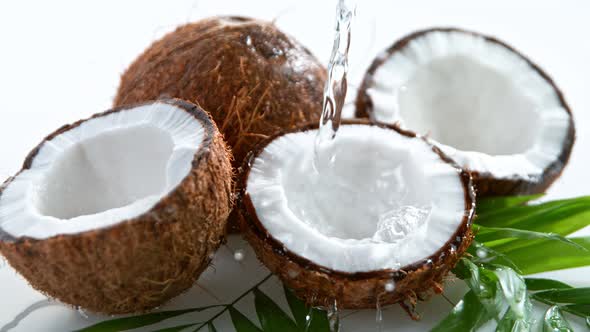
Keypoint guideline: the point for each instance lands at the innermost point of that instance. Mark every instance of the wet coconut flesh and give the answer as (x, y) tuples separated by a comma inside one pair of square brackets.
[(383, 222), (253, 79), (120, 212), (481, 102), (359, 215)]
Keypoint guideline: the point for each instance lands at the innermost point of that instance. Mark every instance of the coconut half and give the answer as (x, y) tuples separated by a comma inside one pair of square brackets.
[(481, 102), (120, 212), (383, 221)]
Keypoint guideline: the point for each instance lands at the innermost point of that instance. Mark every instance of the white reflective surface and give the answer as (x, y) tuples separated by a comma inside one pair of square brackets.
[(61, 61)]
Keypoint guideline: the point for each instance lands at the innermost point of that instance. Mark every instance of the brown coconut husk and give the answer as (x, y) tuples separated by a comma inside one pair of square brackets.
[(320, 286), (251, 77), (137, 264)]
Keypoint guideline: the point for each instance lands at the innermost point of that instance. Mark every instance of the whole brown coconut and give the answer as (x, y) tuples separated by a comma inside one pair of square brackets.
[(251, 77), (132, 264), (465, 67), (319, 285)]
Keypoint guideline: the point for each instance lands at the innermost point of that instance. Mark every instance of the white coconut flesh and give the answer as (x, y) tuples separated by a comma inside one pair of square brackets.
[(106, 170), (381, 200), (482, 103)]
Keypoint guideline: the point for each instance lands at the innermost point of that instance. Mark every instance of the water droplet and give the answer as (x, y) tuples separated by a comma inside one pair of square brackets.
[(481, 253), (82, 313), (334, 316), (379, 316), (239, 255), (453, 249), (308, 319), (389, 286), (248, 40)]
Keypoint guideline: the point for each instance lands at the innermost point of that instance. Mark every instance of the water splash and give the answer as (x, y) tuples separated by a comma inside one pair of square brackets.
[(515, 294), (396, 224), (334, 316), (554, 321), (336, 84), (82, 312), (379, 315)]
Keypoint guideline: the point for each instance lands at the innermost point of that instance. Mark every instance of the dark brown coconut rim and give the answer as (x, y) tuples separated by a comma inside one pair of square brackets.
[(255, 227), (201, 154), (485, 183)]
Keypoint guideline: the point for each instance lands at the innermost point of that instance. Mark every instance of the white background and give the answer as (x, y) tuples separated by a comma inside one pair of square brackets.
[(61, 61)]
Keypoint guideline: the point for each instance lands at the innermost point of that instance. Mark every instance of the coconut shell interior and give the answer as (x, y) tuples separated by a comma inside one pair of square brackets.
[(320, 286), (137, 264), (486, 183)]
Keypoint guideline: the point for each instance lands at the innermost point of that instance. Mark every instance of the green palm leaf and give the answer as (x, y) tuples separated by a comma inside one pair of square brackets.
[(128, 323), (241, 322), (271, 316), (547, 255), (468, 315), (494, 204)]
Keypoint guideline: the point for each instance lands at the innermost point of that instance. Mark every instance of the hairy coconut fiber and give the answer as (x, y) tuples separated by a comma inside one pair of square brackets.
[(140, 263), (251, 77)]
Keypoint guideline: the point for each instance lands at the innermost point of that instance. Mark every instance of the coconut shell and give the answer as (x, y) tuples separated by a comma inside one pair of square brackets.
[(320, 286), (140, 263), (251, 77), (485, 183)]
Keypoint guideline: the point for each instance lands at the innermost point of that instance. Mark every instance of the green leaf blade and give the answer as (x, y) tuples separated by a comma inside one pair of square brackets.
[(493, 204), (271, 316), (486, 234), (241, 322), (175, 328), (211, 327), (581, 310), (318, 319), (561, 217), (128, 323), (547, 255), (298, 308), (566, 296), (468, 315), (537, 284)]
